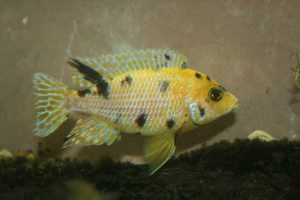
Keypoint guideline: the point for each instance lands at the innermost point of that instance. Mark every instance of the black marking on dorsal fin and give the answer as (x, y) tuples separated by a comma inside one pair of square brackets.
[(89, 73), (168, 57), (184, 65), (92, 76)]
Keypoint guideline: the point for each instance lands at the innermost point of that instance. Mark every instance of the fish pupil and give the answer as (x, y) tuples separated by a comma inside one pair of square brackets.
[(215, 94)]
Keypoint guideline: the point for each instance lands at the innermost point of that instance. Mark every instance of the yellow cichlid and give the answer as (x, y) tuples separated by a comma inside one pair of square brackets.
[(150, 92)]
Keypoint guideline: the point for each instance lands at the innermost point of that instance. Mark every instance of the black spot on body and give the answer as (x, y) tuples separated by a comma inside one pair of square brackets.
[(127, 80), (198, 75), (201, 111), (141, 120), (92, 76), (184, 65), (170, 123), (168, 57), (208, 78), (163, 85), (82, 93)]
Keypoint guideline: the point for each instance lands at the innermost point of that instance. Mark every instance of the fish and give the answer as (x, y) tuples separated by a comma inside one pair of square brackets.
[(149, 92)]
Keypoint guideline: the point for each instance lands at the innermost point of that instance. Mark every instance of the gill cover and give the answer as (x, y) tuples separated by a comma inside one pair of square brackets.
[(197, 113)]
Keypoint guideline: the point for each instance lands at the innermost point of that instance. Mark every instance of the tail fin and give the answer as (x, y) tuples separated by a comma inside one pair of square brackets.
[(50, 104)]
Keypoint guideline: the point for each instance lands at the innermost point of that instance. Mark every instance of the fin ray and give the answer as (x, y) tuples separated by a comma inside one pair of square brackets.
[(158, 150), (92, 131), (50, 104), (112, 65)]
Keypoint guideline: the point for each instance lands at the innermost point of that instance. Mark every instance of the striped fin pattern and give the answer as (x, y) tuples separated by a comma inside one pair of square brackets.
[(91, 131), (124, 62), (50, 98)]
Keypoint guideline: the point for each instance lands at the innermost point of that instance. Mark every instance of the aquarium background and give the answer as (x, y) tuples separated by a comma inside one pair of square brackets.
[(248, 47)]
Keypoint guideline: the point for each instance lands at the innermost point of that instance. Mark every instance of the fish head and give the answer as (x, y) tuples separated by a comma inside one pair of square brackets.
[(210, 101)]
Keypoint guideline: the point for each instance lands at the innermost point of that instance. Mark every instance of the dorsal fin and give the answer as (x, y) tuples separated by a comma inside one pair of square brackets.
[(112, 65), (89, 73), (92, 76)]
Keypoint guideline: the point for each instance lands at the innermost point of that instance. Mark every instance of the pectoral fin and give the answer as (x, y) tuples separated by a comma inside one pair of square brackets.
[(158, 150), (92, 131)]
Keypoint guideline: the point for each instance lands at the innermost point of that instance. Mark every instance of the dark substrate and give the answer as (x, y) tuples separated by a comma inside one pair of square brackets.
[(240, 170)]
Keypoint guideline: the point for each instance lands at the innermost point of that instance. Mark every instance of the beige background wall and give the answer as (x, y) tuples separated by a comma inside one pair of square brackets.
[(247, 46)]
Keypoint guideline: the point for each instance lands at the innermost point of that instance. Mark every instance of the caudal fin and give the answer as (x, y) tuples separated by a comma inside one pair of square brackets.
[(50, 104)]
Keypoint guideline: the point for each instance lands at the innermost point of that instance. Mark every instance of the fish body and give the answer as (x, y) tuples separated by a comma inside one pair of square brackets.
[(146, 102), (147, 92)]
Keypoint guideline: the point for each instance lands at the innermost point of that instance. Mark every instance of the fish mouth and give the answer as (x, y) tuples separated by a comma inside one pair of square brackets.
[(234, 104)]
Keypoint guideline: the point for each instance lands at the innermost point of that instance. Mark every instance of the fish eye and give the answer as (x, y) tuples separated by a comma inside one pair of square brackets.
[(215, 94)]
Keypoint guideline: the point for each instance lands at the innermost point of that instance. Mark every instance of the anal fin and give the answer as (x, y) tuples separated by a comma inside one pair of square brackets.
[(92, 131), (158, 150)]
